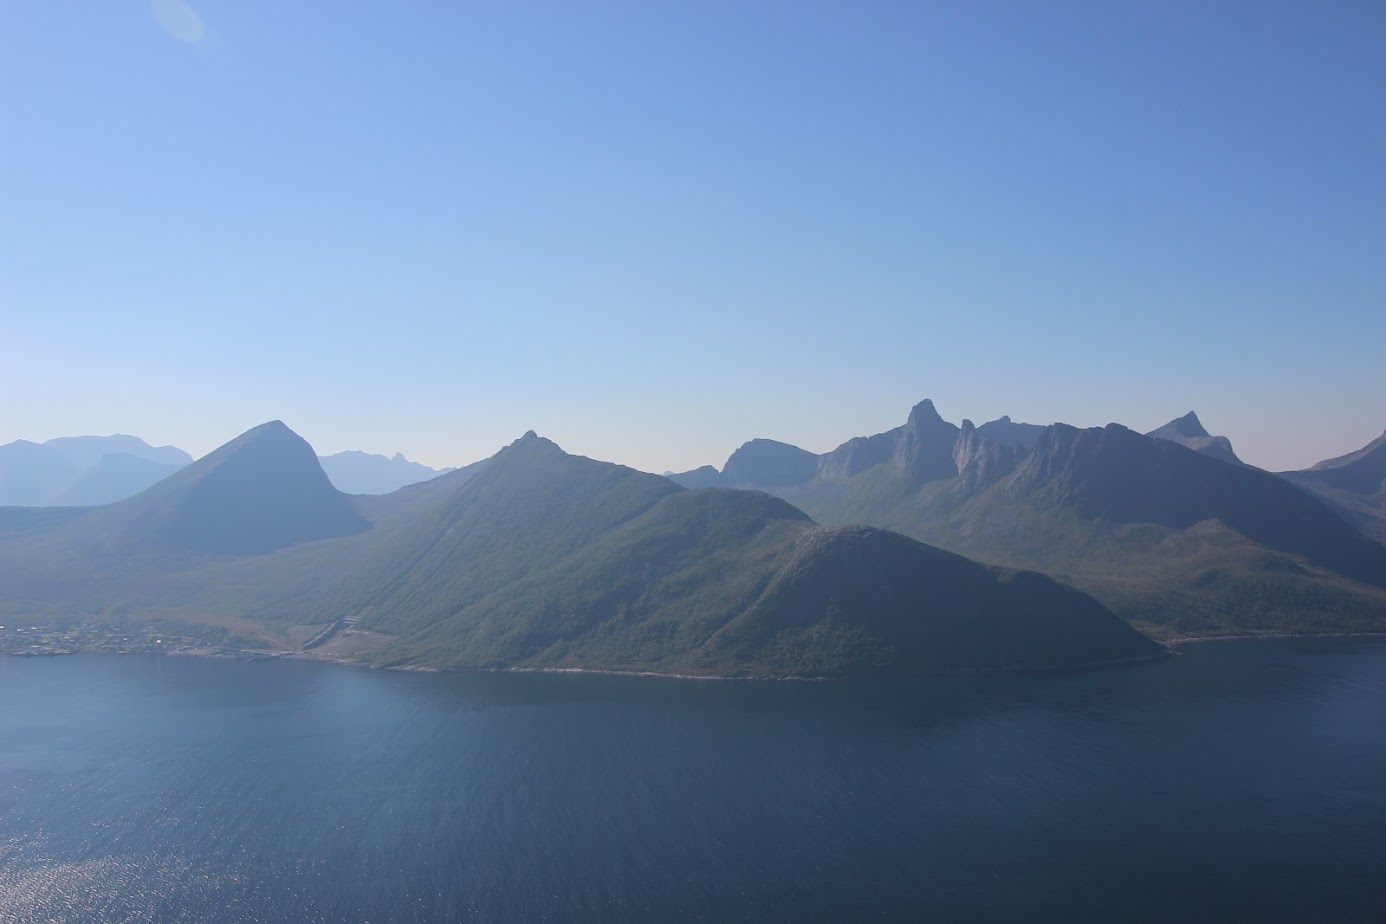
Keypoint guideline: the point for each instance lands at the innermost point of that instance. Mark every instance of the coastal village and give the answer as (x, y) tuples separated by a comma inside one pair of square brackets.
[(25, 639)]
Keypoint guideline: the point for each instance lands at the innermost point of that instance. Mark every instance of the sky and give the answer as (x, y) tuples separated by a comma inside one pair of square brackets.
[(653, 231)]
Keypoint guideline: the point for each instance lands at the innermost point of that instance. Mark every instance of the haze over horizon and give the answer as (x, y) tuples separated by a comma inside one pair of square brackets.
[(651, 234)]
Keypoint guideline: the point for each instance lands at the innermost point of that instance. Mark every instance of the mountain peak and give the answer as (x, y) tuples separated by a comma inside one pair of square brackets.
[(1188, 432), (765, 463), (1190, 425), (924, 411), (262, 491)]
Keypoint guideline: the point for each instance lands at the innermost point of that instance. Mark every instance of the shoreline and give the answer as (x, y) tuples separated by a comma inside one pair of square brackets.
[(301, 655), (1198, 639), (1169, 648)]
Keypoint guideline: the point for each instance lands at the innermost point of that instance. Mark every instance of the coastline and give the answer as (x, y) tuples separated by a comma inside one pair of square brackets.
[(1169, 648), (301, 655), (1198, 639)]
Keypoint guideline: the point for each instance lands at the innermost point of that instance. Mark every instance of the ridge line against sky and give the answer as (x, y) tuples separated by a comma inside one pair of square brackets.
[(715, 462), (652, 232)]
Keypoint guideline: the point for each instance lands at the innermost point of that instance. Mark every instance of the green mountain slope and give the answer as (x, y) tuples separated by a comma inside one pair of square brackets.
[(710, 581)]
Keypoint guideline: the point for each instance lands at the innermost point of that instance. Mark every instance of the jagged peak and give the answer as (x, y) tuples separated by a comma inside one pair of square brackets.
[(1190, 425), (1187, 426), (924, 411)]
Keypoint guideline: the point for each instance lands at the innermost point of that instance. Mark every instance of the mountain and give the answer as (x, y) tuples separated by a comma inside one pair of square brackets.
[(116, 477), (31, 474), (86, 451), (705, 476), (539, 559), (72, 470), (1354, 484), (260, 492), (768, 462), (355, 472), (1004, 431), (1188, 431), (1174, 540), (1362, 471), (552, 560), (921, 449)]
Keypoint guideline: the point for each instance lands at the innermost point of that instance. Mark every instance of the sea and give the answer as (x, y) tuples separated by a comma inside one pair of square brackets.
[(1235, 781)]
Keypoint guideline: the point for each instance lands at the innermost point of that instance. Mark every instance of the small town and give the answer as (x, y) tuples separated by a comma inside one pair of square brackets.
[(24, 639)]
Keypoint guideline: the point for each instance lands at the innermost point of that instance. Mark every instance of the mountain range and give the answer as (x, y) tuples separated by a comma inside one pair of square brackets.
[(1169, 529), (86, 471), (356, 472), (929, 547), (536, 558), (82, 470)]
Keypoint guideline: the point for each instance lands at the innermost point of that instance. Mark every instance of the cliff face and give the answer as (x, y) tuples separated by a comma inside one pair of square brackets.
[(922, 449), (981, 462)]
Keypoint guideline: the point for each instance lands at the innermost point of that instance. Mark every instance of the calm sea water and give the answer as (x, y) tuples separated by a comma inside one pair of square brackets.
[(1238, 781)]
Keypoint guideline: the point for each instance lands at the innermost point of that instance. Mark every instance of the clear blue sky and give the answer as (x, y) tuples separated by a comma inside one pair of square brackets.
[(651, 231)]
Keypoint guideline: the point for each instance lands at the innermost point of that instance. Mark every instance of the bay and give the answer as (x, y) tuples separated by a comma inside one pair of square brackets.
[(1236, 781)]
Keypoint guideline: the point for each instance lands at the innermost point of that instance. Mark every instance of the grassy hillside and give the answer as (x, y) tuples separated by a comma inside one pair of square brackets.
[(731, 583)]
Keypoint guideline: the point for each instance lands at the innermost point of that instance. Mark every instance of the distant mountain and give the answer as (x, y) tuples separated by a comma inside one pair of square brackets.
[(68, 470), (1002, 430), (1175, 540), (705, 476), (1188, 431), (356, 472), (31, 474), (1362, 471), (921, 449), (769, 462), (260, 492), (541, 559), (1355, 484), (116, 477), (87, 451)]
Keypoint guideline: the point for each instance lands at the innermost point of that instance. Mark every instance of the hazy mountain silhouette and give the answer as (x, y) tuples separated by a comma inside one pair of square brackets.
[(1354, 484), (768, 462), (116, 477), (31, 474), (356, 472), (1362, 471), (705, 476), (1188, 431), (67, 470), (260, 492), (86, 451)]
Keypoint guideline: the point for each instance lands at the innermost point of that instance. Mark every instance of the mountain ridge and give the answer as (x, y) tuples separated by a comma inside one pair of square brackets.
[(543, 559)]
